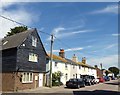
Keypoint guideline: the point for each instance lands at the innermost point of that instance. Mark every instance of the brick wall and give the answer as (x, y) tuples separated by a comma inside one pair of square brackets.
[(12, 82), (8, 81), (21, 86), (99, 73)]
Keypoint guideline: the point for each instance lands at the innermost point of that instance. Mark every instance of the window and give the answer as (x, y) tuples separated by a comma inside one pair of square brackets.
[(66, 76), (56, 64), (76, 75), (27, 77), (73, 66), (66, 65), (84, 68), (33, 57), (34, 41), (73, 75), (79, 67)]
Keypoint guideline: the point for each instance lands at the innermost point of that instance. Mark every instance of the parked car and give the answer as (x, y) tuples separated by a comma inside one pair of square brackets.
[(75, 83), (87, 79), (106, 78), (101, 79), (92, 80), (96, 80)]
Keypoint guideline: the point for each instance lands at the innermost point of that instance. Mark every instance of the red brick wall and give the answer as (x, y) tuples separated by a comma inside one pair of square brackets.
[(11, 82), (8, 81), (99, 73), (21, 86)]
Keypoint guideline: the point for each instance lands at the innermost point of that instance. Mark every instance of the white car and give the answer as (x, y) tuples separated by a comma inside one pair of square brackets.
[(96, 80)]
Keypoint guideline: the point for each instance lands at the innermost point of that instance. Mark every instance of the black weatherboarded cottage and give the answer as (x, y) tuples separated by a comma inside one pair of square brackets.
[(23, 61)]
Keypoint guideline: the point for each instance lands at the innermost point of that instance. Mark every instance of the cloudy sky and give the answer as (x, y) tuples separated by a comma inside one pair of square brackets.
[(86, 29)]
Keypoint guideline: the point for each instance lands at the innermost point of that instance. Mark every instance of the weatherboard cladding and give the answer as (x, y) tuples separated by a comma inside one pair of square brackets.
[(17, 55)]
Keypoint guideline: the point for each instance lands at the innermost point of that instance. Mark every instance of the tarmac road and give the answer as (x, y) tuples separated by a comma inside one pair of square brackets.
[(110, 88)]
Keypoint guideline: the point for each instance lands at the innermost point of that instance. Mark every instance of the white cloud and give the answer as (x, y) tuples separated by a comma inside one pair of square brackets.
[(19, 15), (107, 61), (61, 32), (109, 9), (115, 34), (89, 46), (111, 46), (69, 49), (61, 0), (74, 49)]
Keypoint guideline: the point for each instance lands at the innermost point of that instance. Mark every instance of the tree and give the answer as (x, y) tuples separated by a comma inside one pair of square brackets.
[(106, 72), (56, 78), (114, 70), (16, 30)]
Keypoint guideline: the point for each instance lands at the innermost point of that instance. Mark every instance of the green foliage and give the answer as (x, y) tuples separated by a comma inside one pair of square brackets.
[(114, 70), (56, 79), (17, 30), (106, 72)]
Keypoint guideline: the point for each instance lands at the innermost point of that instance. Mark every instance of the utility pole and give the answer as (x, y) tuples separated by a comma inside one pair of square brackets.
[(101, 66), (51, 59)]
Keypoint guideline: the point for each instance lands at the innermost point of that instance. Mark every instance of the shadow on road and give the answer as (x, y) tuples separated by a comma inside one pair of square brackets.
[(96, 92)]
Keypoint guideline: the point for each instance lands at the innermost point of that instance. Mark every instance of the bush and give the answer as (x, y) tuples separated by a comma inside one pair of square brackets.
[(57, 83)]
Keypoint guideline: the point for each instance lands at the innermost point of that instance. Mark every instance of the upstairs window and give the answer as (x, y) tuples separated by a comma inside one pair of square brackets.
[(56, 64), (66, 65), (33, 57), (79, 67), (73, 66), (34, 41), (84, 68)]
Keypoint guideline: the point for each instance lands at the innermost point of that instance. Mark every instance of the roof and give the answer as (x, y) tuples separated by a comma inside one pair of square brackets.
[(70, 61), (15, 40), (86, 65), (55, 57)]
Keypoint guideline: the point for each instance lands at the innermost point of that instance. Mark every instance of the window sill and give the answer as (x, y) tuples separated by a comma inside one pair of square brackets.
[(27, 82)]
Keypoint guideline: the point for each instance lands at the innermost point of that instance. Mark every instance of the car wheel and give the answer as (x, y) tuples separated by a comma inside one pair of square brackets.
[(89, 83), (84, 85), (78, 86)]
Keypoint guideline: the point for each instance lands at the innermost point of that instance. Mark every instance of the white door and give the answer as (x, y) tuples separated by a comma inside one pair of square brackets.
[(40, 80)]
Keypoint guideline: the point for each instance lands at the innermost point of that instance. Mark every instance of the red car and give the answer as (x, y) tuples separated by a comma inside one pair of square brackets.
[(101, 80)]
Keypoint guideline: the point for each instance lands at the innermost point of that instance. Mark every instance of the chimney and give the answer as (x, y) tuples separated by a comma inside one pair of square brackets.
[(62, 53), (84, 60), (74, 58)]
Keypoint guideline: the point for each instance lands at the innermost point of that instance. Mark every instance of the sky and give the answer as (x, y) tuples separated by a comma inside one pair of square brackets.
[(86, 29)]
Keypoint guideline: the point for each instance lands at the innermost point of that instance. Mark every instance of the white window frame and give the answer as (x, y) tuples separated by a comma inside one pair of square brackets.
[(66, 65), (66, 76), (56, 63), (73, 75), (34, 41), (27, 78), (33, 57), (79, 67), (73, 66)]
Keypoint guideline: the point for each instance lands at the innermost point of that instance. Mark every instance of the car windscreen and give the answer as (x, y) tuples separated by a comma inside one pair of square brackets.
[(73, 80), (84, 76)]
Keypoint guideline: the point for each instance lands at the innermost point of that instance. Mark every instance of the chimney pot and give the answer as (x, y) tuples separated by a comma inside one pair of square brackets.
[(84, 60), (62, 53)]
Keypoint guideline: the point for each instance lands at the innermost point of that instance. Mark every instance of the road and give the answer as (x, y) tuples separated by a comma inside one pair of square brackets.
[(110, 87)]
